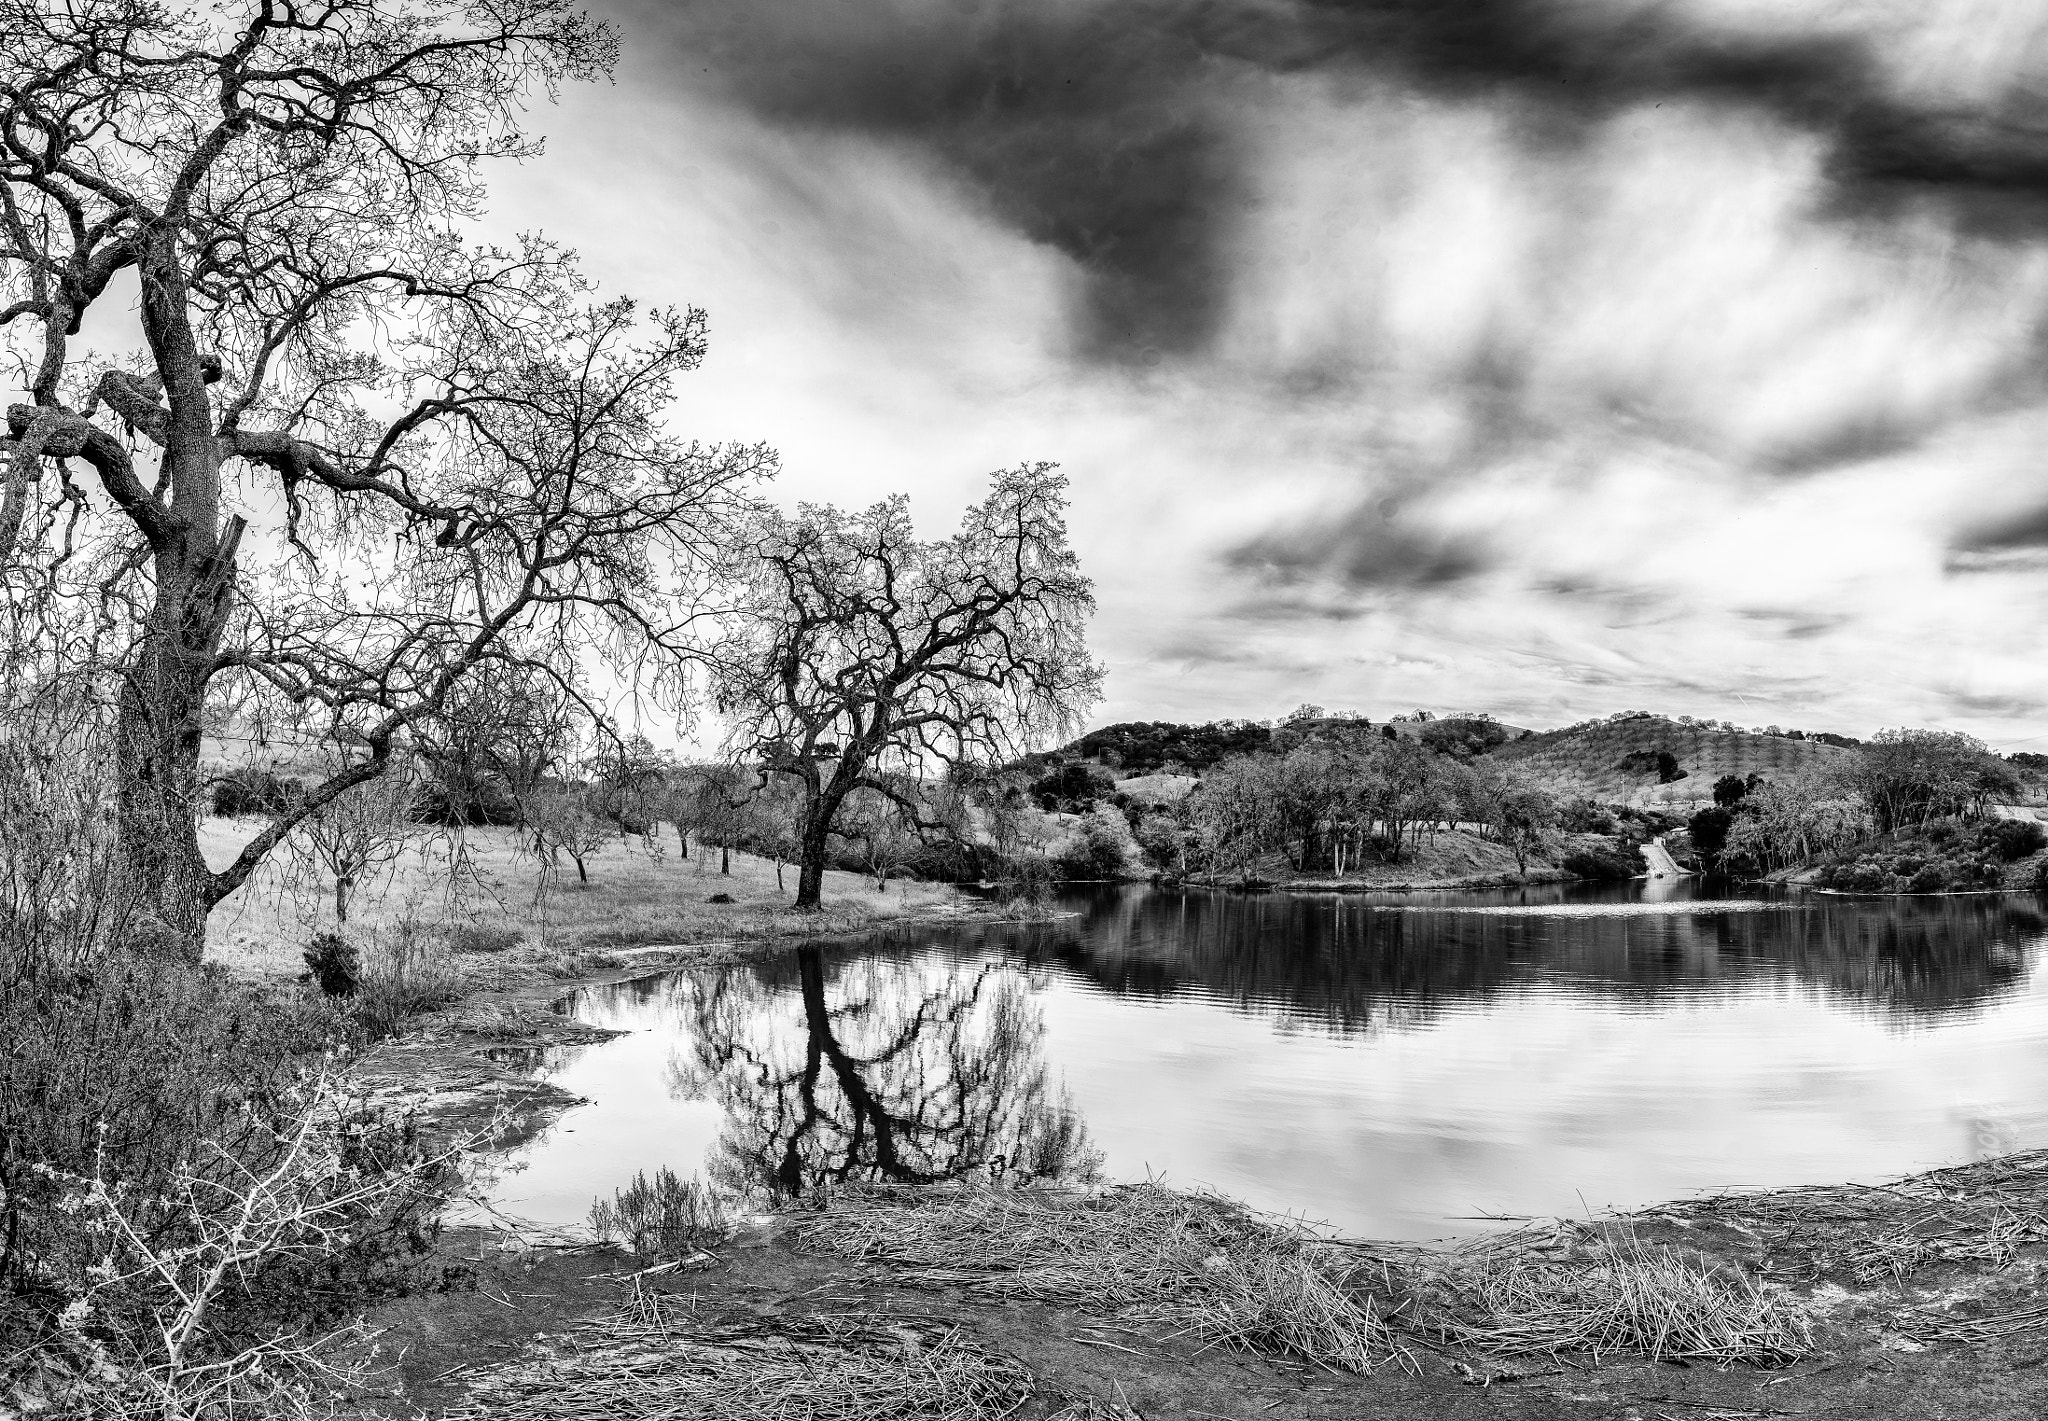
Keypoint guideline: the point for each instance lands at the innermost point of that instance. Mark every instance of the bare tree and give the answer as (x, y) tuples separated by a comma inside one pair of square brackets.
[(371, 458), (495, 739), (720, 809), (883, 837), (861, 654), (562, 823), (356, 834)]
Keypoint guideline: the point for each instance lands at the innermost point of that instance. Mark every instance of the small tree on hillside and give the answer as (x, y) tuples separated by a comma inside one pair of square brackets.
[(722, 809), (862, 654), (563, 823), (354, 835), (629, 772)]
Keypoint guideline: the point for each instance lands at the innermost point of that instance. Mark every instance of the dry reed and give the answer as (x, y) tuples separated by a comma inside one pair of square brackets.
[(1604, 1292), (1977, 1215), (658, 1360), (1192, 1261)]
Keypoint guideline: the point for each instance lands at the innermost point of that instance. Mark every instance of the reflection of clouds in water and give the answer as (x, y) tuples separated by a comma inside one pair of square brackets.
[(1384, 1070)]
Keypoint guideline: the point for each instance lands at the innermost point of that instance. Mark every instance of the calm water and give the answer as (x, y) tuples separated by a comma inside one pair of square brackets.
[(1394, 1065)]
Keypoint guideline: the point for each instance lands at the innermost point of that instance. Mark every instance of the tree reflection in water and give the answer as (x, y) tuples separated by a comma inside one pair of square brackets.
[(885, 1074), (1357, 966)]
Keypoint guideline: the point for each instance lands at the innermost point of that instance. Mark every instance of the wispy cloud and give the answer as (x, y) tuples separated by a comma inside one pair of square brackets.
[(1541, 353)]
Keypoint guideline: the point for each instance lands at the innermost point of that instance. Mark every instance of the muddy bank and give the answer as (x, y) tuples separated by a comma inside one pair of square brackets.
[(1914, 1299)]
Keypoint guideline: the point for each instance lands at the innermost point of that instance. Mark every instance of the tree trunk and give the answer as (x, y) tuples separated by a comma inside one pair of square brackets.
[(582, 874), (725, 860), (341, 891), (157, 745), (810, 874)]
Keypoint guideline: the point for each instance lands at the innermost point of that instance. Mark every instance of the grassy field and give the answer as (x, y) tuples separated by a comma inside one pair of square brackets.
[(639, 893), (1588, 760)]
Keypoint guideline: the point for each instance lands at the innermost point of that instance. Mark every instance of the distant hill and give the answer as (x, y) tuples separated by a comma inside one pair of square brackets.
[(1615, 760), (1140, 747)]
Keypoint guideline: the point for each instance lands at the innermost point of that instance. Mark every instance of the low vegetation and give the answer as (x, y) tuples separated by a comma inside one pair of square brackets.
[(1942, 857), (657, 1358)]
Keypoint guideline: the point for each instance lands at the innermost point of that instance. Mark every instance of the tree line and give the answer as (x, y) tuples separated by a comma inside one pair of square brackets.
[(1901, 784)]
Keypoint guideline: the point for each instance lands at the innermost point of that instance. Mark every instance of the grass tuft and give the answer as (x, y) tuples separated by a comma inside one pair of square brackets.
[(658, 1358), (1516, 1294), (1194, 1261)]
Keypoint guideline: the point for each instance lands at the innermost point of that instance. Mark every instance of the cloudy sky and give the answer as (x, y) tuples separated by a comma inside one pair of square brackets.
[(1550, 357)]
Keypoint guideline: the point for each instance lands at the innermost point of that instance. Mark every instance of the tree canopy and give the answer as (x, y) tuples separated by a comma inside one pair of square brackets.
[(355, 456), (863, 658)]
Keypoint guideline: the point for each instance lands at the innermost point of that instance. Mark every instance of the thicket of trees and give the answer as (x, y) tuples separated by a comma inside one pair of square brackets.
[(1911, 785), (1345, 794)]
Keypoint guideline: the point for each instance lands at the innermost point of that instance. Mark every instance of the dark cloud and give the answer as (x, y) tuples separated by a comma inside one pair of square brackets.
[(1371, 547), (2020, 532), (1107, 131)]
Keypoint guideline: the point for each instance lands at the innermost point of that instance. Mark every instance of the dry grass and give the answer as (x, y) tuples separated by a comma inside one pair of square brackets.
[(1192, 1261), (658, 1358), (1214, 1269), (1603, 1290), (1977, 1215), (443, 884)]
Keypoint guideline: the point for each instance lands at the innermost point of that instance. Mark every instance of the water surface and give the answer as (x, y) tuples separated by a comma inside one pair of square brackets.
[(1397, 1065)]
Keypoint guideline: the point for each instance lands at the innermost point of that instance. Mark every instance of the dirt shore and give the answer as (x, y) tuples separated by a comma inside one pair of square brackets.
[(1922, 1296)]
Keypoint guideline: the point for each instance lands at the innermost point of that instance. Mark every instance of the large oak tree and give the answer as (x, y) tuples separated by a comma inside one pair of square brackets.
[(355, 457), (863, 658)]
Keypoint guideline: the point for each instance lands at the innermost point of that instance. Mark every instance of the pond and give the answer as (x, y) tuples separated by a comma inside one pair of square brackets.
[(1398, 1066)]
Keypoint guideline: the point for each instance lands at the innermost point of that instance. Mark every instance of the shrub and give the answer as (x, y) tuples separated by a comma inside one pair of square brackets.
[(2013, 839), (402, 975), (1928, 879), (148, 1067), (335, 965), (665, 1217), (252, 791), (1074, 786), (1602, 865), (1099, 852), (483, 937)]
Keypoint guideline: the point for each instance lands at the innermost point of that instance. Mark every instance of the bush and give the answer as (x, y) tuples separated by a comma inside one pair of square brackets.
[(148, 1067), (335, 965), (483, 937), (1074, 786), (251, 791), (1100, 852), (1928, 879), (402, 975), (2013, 839), (1601, 865), (665, 1217)]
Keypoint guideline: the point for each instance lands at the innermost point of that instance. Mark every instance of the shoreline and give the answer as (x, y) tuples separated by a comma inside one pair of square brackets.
[(1899, 1297)]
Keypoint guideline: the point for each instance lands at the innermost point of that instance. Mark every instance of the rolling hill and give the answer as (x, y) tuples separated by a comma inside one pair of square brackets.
[(1614, 760)]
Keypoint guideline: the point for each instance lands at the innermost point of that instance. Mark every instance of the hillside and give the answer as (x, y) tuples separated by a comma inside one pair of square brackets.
[(1593, 759)]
